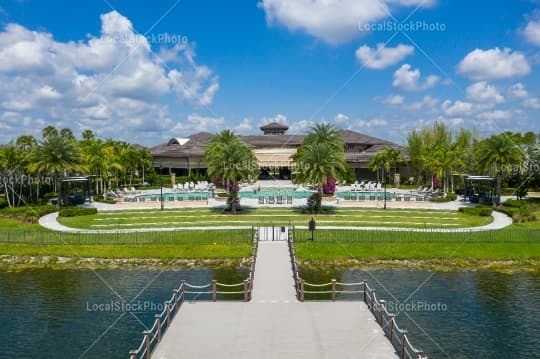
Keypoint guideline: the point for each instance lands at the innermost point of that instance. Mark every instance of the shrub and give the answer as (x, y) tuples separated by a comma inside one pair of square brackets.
[(27, 213), (3, 203), (77, 211), (515, 203), (481, 211), (449, 198)]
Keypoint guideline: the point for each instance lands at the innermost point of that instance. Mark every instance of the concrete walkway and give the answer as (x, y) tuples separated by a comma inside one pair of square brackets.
[(274, 324), (274, 279), (500, 220)]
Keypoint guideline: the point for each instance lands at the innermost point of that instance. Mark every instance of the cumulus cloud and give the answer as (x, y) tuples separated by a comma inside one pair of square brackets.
[(426, 103), (496, 115), (518, 90), (532, 102), (376, 122), (394, 100), (340, 118), (485, 93), (381, 57), (111, 83), (332, 21), (457, 108), (494, 64), (532, 32), (407, 79)]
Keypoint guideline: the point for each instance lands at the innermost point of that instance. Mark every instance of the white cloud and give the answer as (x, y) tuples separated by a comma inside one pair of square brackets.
[(279, 118), (518, 90), (245, 127), (332, 21), (494, 64), (456, 109), (532, 32), (532, 102), (427, 102), (299, 127), (408, 79), (340, 118), (394, 100), (376, 122), (496, 115), (199, 123), (381, 56), (485, 93), (112, 83)]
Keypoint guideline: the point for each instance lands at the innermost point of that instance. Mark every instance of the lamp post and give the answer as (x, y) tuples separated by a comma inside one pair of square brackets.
[(384, 187), (161, 185)]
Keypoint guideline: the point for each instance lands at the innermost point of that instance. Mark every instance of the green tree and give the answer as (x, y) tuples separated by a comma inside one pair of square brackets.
[(498, 155), (232, 161), (319, 157)]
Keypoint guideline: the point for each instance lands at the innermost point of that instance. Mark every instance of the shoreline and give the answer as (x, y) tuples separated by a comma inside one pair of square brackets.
[(14, 263)]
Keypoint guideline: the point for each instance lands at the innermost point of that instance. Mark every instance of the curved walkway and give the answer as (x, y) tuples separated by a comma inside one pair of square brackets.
[(500, 221)]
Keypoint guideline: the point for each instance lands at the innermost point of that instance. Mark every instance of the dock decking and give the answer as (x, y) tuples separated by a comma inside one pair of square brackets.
[(274, 324)]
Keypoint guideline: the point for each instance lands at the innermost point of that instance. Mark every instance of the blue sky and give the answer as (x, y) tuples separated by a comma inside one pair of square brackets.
[(144, 73)]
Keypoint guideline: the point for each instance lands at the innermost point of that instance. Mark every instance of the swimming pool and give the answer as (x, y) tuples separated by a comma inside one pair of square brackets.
[(276, 192), (363, 195)]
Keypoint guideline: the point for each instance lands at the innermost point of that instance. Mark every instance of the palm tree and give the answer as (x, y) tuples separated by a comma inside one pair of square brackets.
[(315, 163), (325, 133), (232, 161), (384, 160), (497, 155), (57, 156)]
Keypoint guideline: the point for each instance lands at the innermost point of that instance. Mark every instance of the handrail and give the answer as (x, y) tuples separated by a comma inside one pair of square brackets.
[(298, 283), (377, 307), (163, 320)]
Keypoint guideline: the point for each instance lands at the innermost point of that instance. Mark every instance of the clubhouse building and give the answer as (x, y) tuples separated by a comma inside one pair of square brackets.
[(273, 149)]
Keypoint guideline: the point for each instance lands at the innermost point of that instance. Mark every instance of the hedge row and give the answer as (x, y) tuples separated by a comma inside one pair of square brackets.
[(477, 211), (77, 211)]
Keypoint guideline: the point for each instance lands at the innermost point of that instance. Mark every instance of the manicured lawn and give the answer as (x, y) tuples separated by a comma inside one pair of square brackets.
[(511, 243), (410, 218), (8, 224), (178, 251)]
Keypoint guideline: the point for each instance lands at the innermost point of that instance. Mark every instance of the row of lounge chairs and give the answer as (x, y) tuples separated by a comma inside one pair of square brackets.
[(166, 198), (276, 200), (192, 186), (365, 197), (366, 186)]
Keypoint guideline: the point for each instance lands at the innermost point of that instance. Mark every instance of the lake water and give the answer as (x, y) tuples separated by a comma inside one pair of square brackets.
[(64, 313), (466, 314), (85, 314)]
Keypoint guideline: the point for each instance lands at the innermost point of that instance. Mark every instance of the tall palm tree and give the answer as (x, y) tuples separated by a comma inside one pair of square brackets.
[(320, 157), (232, 161), (57, 156), (387, 158), (497, 155), (316, 162)]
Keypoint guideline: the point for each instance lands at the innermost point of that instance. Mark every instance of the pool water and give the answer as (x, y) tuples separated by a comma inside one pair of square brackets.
[(275, 192)]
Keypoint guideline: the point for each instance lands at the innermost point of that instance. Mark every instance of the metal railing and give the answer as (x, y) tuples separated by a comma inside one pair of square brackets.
[(397, 336), (294, 265), (162, 321), (180, 236)]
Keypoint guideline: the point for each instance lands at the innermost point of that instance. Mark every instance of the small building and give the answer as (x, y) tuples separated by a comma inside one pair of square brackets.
[(273, 149)]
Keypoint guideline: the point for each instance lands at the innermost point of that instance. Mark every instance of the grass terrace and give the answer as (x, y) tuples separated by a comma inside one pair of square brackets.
[(343, 217)]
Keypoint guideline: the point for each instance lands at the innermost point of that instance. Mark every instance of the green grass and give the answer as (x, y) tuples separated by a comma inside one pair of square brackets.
[(411, 218), (195, 251), (512, 243), (9, 224)]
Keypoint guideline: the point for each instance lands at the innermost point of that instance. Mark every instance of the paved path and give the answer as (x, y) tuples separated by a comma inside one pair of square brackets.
[(500, 220), (273, 273)]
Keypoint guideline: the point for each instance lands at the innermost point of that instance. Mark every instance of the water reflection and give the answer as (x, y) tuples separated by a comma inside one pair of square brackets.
[(73, 313), (468, 314)]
